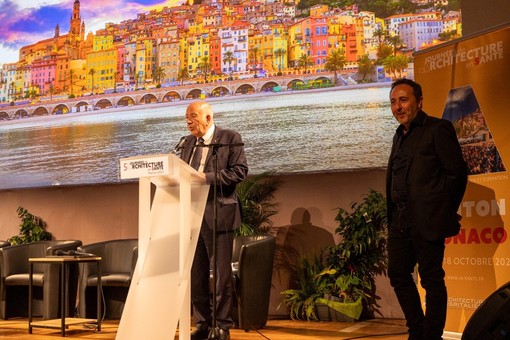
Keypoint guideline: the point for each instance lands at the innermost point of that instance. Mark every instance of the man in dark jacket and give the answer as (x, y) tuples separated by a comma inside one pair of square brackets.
[(232, 169), (426, 180)]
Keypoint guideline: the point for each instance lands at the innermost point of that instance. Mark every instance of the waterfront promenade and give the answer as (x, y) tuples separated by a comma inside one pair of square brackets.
[(19, 114)]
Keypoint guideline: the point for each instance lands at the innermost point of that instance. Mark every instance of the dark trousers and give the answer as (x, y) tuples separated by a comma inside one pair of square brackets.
[(200, 279), (406, 248)]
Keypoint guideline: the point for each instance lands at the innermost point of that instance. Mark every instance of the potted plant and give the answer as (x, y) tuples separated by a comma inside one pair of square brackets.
[(321, 295), (361, 253), (302, 298), (343, 275), (256, 196), (343, 296), (31, 228)]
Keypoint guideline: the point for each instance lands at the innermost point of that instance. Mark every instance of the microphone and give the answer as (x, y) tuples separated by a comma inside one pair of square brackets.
[(177, 149), (79, 253), (72, 253)]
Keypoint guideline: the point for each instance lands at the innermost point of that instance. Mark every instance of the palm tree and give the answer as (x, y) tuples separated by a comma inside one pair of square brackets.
[(183, 74), (383, 52), (396, 42), (71, 82), (365, 66), (380, 35), (304, 62), (389, 65), (12, 90), (31, 93), (254, 58), (256, 195), (51, 91), (280, 55), (158, 73), (394, 64), (335, 62), (115, 82), (401, 63), (92, 72), (228, 58), (205, 67)]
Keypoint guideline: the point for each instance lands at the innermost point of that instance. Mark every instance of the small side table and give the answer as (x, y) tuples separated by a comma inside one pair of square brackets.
[(63, 322)]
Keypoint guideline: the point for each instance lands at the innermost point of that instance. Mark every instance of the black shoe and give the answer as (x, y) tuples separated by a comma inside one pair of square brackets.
[(200, 334), (224, 334)]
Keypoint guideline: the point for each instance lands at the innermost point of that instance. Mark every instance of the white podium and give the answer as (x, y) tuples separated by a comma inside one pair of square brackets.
[(169, 225)]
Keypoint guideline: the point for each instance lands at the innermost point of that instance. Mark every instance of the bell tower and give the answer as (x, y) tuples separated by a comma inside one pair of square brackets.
[(75, 26), (75, 36)]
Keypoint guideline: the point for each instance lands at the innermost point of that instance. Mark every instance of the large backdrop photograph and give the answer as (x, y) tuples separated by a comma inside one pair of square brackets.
[(86, 83)]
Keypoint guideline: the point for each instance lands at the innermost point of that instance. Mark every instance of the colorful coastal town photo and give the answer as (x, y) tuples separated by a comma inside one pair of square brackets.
[(84, 83), (59, 50)]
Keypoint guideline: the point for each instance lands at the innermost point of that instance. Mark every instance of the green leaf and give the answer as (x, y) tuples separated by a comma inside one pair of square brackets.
[(31, 228)]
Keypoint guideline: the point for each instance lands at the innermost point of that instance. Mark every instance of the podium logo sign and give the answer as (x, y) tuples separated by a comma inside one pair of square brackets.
[(144, 167)]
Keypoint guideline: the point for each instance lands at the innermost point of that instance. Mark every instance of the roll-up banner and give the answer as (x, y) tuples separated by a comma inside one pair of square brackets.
[(467, 81)]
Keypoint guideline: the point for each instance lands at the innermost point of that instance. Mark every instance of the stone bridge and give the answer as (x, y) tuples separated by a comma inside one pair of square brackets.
[(166, 94)]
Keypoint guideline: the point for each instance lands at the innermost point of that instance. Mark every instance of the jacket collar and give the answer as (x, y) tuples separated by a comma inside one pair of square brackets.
[(418, 121)]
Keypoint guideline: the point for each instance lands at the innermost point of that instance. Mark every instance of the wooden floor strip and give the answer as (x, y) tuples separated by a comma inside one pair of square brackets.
[(385, 329)]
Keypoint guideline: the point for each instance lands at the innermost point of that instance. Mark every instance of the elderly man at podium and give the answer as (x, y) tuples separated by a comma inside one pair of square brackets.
[(209, 148)]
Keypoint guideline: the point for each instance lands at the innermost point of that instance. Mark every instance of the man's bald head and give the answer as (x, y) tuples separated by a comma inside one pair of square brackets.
[(199, 117)]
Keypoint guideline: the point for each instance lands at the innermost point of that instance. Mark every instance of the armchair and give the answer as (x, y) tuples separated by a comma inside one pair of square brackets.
[(117, 266), (252, 268), (14, 279)]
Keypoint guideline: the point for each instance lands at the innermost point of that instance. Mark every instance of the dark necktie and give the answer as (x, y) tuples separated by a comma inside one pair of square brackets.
[(197, 156)]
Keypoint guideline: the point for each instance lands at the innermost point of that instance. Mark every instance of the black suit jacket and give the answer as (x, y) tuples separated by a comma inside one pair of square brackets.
[(232, 169), (436, 178)]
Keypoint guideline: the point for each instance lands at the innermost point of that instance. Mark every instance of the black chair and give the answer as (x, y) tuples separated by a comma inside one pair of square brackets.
[(14, 279), (252, 263), (3, 244), (117, 266)]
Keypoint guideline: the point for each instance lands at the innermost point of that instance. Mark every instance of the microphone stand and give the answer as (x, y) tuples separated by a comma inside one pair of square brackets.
[(215, 332)]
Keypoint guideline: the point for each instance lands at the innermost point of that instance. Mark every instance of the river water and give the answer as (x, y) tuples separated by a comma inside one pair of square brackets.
[(307, 131)]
